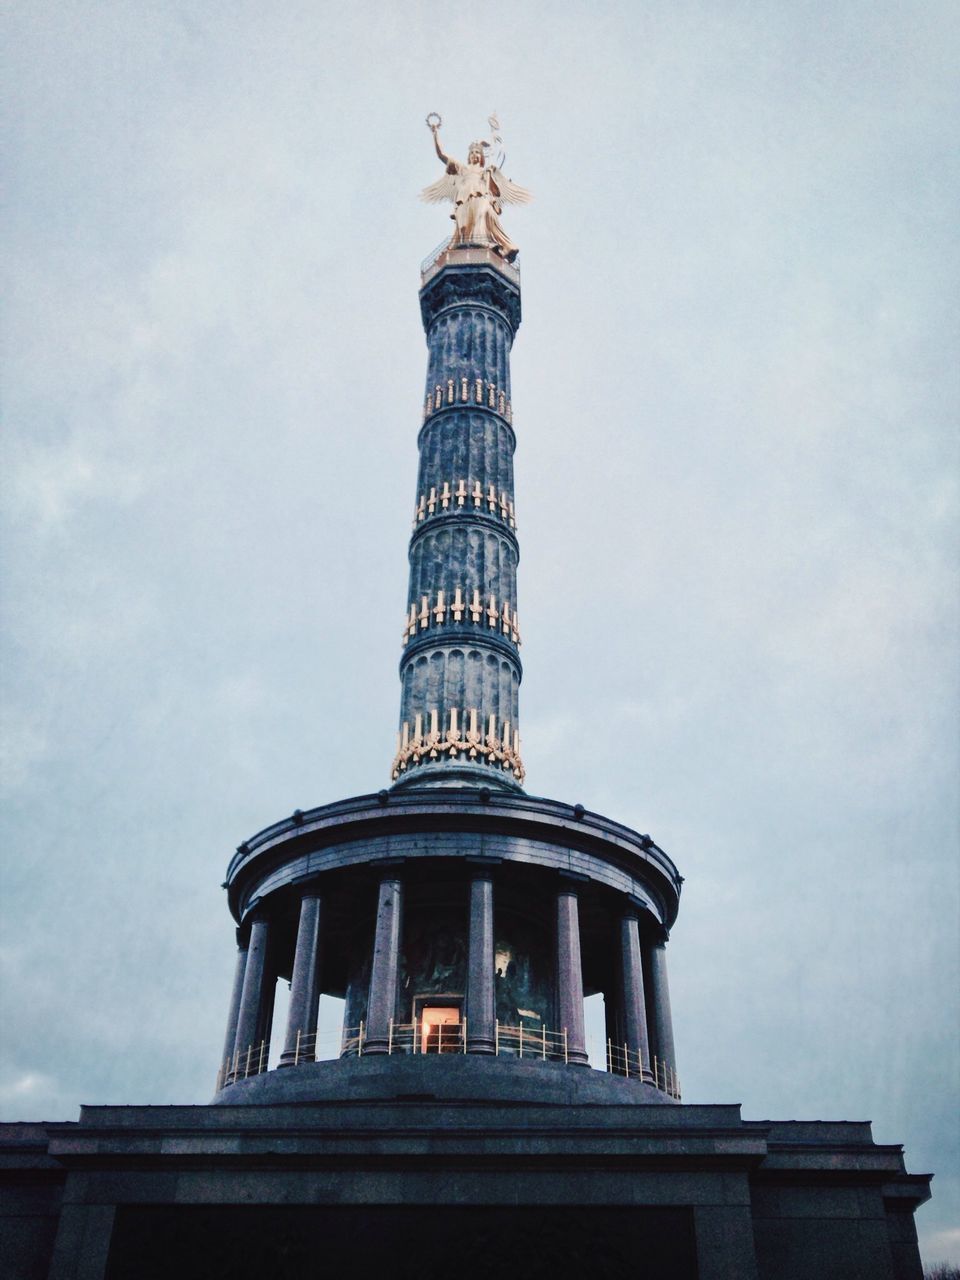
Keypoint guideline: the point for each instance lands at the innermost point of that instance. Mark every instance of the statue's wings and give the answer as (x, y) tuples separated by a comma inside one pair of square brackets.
[(510, 192), (444, 188)]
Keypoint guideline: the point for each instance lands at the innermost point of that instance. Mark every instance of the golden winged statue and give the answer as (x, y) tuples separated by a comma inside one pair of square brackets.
[(478, 191)]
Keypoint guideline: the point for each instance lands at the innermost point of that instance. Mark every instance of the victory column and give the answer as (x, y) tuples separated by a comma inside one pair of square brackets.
[(455, 914), (454, 1127)]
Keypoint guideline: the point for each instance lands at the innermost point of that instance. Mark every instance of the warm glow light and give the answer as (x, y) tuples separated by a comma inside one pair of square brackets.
[(433, 1020)]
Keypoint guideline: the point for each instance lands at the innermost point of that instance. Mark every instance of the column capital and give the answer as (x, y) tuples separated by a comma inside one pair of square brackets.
[(390, 877), (482, 865), (571, 881), (466, 284)]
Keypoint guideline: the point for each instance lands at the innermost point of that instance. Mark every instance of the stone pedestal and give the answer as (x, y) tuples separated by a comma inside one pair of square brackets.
[(566, 1189)]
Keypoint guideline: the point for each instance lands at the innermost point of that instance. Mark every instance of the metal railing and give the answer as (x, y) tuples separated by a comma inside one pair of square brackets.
[(531, 1042), (624, 1061), (451, 1037), (251, 1062), (433, 255), (480, 252), (422, 1036), (308, 1047)]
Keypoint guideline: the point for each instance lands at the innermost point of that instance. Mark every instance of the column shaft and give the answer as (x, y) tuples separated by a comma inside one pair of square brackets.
[(300, 1043), (570, 976), (480, 1010), (382, 1002), (252, 1002), (463, 572), (663, 1020), (230, 1039), (634, 1010)]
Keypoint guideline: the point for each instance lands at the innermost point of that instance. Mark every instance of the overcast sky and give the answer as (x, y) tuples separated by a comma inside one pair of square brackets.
[(735, 395)]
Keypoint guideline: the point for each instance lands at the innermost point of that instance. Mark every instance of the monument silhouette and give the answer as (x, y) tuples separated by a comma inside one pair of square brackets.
[(456, 1127)]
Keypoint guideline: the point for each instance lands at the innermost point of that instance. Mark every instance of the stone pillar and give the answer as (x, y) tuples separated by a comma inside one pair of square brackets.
[(480, 1002), (382, 1002), (250, 1028), (81, 1247), (230, 1039), (300, 1044), (631, 985), (612, 1017), (663, 1020), (570, 976)]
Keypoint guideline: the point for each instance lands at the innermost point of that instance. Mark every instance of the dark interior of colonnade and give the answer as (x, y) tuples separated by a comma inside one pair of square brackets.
[(434, 945)]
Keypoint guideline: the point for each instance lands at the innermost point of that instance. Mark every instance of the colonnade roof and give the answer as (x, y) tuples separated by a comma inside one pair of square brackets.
[(556, 832)]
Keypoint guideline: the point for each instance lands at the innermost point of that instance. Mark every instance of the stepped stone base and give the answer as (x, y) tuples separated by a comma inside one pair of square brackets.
[(403, 1176)]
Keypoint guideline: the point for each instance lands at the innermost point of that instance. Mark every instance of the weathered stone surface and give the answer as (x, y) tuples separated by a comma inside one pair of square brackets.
[(844, 1209)]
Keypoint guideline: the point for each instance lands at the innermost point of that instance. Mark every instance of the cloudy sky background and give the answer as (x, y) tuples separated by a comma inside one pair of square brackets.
[(735, 394)]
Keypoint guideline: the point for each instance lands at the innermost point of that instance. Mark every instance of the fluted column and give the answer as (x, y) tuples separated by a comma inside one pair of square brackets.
[(382, 1002), (252, 999), (460, 672), (663, 1019), (480, 1001), (631, 975), (230, 1039), (570, 975), (300, 1042)]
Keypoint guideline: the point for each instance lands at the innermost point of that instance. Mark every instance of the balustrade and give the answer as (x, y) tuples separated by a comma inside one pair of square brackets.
[(421, 1036)]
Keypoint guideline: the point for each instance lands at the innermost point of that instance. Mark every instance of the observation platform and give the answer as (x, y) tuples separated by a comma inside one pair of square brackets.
[(478, 255)]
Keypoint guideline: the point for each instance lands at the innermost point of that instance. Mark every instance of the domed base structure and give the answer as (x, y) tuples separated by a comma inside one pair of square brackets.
[(443, 1078), (454, 921)]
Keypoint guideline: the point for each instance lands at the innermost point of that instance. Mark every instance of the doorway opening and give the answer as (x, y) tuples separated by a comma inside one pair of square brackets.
[(440, 1024)]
